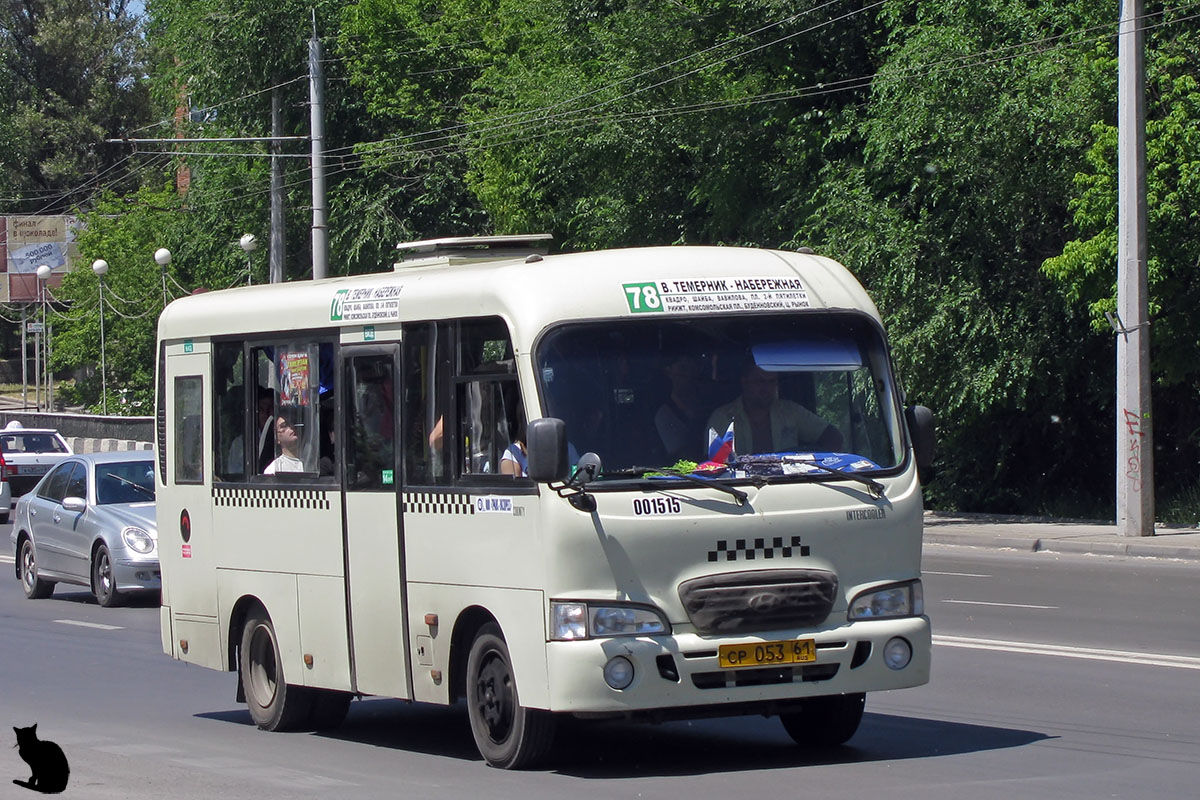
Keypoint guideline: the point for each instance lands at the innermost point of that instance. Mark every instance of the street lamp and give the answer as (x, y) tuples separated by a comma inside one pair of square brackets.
[(248, 243), (43, 275), (100, 267), (162, 257)]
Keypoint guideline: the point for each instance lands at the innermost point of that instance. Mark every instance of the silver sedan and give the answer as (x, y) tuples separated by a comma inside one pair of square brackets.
[(90, 522)]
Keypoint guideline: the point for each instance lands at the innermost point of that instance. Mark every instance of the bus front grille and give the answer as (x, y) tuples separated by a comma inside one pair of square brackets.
[(744, 602)]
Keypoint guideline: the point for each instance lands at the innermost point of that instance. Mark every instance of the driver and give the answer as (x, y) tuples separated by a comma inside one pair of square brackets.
[(763, 422)]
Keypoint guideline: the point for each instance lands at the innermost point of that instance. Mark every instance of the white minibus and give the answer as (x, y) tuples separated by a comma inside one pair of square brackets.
[(653, 483)]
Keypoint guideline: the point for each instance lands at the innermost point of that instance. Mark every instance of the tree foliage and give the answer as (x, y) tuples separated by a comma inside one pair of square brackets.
[(957, 156), (70, 76)]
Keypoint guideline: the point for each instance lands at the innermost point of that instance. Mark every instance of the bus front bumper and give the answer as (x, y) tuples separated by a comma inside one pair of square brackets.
[(681, 675)]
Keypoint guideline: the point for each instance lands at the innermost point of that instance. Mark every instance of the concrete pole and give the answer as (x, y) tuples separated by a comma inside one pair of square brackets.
[(316, 92), (278, 241), (1135, 441), (24, 358)]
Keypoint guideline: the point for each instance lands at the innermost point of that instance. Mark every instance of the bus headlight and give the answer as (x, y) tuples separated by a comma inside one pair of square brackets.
[(570, 621), (890, 602), (137, 540)]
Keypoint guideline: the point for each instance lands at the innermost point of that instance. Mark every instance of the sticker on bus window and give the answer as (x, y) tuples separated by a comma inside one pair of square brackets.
[(716, 295), (388, 477)]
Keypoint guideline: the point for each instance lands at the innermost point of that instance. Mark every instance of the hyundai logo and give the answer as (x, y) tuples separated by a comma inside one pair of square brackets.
[(764, 602)]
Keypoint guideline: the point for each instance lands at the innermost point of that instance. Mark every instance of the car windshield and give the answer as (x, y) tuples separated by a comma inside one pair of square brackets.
[(767, 395), (31, 443), (124, 482)]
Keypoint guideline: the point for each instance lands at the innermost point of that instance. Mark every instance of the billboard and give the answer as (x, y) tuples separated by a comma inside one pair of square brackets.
[(30, 242)]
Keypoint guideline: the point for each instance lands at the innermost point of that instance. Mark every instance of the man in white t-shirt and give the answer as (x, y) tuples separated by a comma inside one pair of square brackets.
[(763, 422), (288, 431)]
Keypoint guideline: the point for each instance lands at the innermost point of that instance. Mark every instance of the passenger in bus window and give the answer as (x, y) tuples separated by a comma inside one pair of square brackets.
[(763, 422), (265, 425), (289, 434), (514, 461), (680, 419)]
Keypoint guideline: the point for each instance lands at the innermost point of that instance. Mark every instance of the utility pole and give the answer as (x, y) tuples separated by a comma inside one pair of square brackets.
[(316, 92), (276, 252), (1135, 441)]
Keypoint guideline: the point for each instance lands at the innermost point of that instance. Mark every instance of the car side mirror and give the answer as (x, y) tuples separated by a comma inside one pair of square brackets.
[(921, 431), (74, 504), (546, 449)]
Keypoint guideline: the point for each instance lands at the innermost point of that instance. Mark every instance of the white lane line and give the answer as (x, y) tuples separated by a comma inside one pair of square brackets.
[(1002, 605), (956, 574), (8, 559), (96, 625), (1065, 651)]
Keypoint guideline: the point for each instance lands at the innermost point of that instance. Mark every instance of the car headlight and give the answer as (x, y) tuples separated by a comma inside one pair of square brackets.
[(890, 602), (570, 621), (138, 540)]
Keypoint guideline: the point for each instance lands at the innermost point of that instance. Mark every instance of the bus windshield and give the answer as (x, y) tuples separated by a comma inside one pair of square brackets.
[(772, 395)]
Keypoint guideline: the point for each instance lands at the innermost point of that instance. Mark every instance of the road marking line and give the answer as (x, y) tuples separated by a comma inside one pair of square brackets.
[(89, 624), (1066, 651), (956, 574), (8, 559), (1002, 605)]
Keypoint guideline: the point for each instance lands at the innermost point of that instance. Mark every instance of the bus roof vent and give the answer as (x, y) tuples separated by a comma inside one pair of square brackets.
[(471, 249)]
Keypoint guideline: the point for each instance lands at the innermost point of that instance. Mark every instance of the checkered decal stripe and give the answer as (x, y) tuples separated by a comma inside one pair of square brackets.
[(750, 549), (315, 499), (437, 503)]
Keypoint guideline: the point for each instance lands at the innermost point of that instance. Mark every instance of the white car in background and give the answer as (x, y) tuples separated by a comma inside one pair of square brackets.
[(26, 454)]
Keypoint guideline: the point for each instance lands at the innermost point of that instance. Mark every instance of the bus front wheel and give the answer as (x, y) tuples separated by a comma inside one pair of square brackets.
[(825, 721), (274, 704), (507, 734)]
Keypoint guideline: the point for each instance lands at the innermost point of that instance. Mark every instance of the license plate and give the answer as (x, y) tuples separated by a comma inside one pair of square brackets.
[(766, 654), (33, 470)]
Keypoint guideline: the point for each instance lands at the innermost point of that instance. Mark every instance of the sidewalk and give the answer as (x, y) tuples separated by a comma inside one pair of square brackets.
[(1033, 535)]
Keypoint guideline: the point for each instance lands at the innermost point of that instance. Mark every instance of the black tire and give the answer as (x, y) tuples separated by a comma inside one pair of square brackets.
[(825, 721), (275, 705), (104, 583), (329, 709), (507, 734), (4, 517), (35, 588)]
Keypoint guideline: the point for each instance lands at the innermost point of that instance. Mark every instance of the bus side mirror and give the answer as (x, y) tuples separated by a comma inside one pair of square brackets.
[(546, 446), (921, 431)]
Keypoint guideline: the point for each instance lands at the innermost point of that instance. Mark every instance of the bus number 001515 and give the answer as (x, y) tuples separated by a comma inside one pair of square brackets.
[(648, 506)]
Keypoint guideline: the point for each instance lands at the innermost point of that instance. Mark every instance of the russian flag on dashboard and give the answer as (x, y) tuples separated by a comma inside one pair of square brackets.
[(720, 448)]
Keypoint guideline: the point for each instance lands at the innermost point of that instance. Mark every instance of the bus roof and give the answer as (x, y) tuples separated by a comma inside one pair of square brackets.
[(531, 293)]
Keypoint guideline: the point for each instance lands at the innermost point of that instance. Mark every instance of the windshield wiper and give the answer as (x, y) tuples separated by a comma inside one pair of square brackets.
[(875, 487), (710, 483)]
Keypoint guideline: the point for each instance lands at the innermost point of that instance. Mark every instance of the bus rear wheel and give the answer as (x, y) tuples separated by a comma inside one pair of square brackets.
[(274, 704), (825, 721), (507, 734)]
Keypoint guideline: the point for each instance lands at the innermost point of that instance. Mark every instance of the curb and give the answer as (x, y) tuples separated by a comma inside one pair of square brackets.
[(1026, 544)]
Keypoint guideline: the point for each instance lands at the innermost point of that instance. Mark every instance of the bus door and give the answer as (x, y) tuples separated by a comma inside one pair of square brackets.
[(368, 438), (186, 545)]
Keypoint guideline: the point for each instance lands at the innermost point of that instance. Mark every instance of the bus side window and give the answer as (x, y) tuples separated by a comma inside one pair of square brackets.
[(229, 413), (486, 396), (424, 403), (189, 429)]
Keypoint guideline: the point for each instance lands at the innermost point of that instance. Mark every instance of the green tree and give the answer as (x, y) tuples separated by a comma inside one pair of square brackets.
[(1086, 267), (72, 75), (974, 127)]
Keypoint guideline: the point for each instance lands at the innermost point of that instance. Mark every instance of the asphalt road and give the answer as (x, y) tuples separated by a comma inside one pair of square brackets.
[(1054, 677)]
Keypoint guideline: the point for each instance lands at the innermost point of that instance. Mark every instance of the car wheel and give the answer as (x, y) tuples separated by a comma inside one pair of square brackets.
[(104, 582), (507, 734), (4, 517), (35, 588), (825, 721), (274, 704)]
